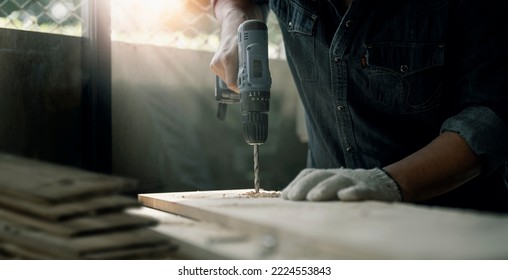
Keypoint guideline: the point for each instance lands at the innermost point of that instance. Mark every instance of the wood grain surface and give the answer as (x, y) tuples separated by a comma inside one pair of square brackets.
[(346, 230)]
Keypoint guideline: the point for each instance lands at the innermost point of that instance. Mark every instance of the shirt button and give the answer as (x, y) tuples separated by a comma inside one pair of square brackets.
[(349, 23), (290, 24), (336, 59), (404, 68), (349, 149), (340, 107)]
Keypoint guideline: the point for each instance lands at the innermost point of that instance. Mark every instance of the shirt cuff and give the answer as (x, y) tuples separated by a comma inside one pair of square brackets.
[(484, 132)]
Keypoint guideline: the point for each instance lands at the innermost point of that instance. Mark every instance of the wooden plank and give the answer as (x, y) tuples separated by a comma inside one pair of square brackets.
[(50, 183), (81, 247), (72, 209), (208, 241), (336, 230), (159, 252), (156, 252), (82, 225), (18, 252), (121, 241), (208, 207)]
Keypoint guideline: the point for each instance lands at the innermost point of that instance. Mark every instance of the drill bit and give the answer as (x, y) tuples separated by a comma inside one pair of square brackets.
[(256, 168)]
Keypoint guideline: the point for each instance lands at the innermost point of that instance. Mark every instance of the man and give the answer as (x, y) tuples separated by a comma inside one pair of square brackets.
[(405, 100)]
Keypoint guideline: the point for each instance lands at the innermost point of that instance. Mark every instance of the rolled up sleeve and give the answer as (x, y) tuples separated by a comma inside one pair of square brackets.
[(484, 132)]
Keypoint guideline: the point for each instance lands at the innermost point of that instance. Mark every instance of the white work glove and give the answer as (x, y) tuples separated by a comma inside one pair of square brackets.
[(344, 184)]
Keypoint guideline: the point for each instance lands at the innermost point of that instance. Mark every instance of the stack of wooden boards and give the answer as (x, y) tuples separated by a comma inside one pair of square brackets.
[(49, 211)]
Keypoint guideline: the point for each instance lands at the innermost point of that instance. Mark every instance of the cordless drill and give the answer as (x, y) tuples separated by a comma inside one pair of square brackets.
[(254, 82)]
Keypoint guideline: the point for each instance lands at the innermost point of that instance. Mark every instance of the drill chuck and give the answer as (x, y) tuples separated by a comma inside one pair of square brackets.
[(255, 126)]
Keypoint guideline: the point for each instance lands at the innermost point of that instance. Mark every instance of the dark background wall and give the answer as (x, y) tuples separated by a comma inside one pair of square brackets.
[(40, 96)]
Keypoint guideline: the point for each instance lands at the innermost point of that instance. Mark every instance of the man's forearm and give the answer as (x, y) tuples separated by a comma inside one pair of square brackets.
[(444, 164), (231, 13), (245, 9)]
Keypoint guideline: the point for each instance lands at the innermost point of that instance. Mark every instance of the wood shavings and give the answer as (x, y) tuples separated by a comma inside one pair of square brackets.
[(253, 194)]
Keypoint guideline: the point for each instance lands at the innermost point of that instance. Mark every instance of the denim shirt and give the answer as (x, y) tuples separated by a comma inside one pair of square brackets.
[(384, 78)]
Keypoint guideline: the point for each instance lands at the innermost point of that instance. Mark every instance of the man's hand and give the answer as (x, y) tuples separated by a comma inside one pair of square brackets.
[(230, 14), (225, 60), (343, 184)]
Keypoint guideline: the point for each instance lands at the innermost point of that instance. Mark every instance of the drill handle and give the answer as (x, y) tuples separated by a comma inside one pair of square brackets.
[(224, 96)]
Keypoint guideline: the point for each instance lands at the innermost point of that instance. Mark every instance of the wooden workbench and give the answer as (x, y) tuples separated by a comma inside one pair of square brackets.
[(231, 225)]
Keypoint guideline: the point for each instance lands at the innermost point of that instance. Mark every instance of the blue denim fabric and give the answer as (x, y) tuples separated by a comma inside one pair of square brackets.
[(383, 79)]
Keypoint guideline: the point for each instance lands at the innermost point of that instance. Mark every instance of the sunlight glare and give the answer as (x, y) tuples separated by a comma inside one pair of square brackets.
[(144, 14)]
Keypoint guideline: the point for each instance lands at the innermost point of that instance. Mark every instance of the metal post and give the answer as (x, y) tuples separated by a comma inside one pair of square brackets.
[(96, 98)]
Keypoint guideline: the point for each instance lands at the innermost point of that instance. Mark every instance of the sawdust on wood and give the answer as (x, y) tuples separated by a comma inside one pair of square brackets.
[(253, 194)]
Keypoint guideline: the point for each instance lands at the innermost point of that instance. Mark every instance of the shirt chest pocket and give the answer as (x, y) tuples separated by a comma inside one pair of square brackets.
[(298, 24), (405, 77)]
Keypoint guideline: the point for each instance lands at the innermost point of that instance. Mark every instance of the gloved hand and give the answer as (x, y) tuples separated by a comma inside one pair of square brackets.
[(344, 184)]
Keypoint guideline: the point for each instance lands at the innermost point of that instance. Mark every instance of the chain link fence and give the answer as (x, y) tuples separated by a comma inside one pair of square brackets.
[(187, 24), (49, 16)]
